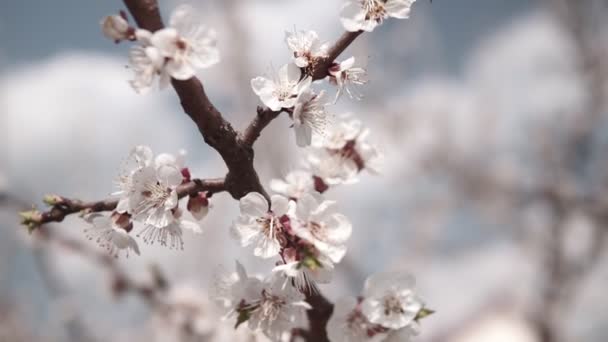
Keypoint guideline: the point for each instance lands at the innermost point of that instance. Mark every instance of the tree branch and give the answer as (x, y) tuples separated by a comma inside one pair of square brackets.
[(63, 207), (216, 131)]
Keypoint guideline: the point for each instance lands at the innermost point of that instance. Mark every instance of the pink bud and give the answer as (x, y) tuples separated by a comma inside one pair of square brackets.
[(198, 205)]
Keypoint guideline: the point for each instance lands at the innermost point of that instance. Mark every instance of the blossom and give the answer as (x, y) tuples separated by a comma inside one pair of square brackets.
[(365, 15), (305, 270), (155, 194), (308, 116), (283, 91), (331, 168), (230, 289), (186, 44), (117, 28), (305, 46), (271, 305), (349, 139), (112, 232), (319, 224), (147, 63), (170, 234), (279, 308), (390, 300), (348, 78), (348, 324), (139, 157), (260, 226), (296, 184)]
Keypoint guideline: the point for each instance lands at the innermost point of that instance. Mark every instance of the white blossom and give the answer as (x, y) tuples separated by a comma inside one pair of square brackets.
[(279, 308), (155, 194), (365, 15), (350, 140), (259, 225), (319, 224), (348, 324), (147, 64), (306, 273), (271, 306), (296, 184), (170, 235), (283, 91), (332, 168), (186, 44), (117, 28), (348, 78), (305, 46), (111, 233), (309, 116), (390, 301), (139, 158), (230, 289)]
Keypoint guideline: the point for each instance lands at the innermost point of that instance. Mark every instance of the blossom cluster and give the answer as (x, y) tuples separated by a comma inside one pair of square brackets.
[(147, 195), (176, 51), (297, 227)]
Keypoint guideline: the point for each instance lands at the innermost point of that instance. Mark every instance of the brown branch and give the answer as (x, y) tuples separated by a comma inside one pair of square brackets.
[(62, 207), (217, 132)]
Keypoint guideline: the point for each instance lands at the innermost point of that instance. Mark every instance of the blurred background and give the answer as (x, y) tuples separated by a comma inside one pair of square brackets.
[(492, 115)]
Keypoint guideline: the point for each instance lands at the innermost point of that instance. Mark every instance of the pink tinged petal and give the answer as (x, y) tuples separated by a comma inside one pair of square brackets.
[(352, 16), (191, 226), (278, 185), (399, 8), (266, 248), (303, 85), (253, 204), (170, 176), (301, 62), (143, 36), (305, 207), (334, 252), (280, 205), (204, 59), (123, 205), (165, 159), (262, 85), (165, 41), (347, 64), (180, 70), (155, 57)]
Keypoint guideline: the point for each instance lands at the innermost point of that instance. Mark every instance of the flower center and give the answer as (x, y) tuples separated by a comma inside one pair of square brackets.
[(155, 194), (317, 230), (392, 305), (375, 10), (271, 305), (268, 225)]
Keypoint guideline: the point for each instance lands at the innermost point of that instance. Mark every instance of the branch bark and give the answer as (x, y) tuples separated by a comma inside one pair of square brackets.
[(66, 206)]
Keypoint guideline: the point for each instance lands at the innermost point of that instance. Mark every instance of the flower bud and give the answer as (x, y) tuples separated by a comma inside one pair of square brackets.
[(123, 221), (116, 28), (198, 205)]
